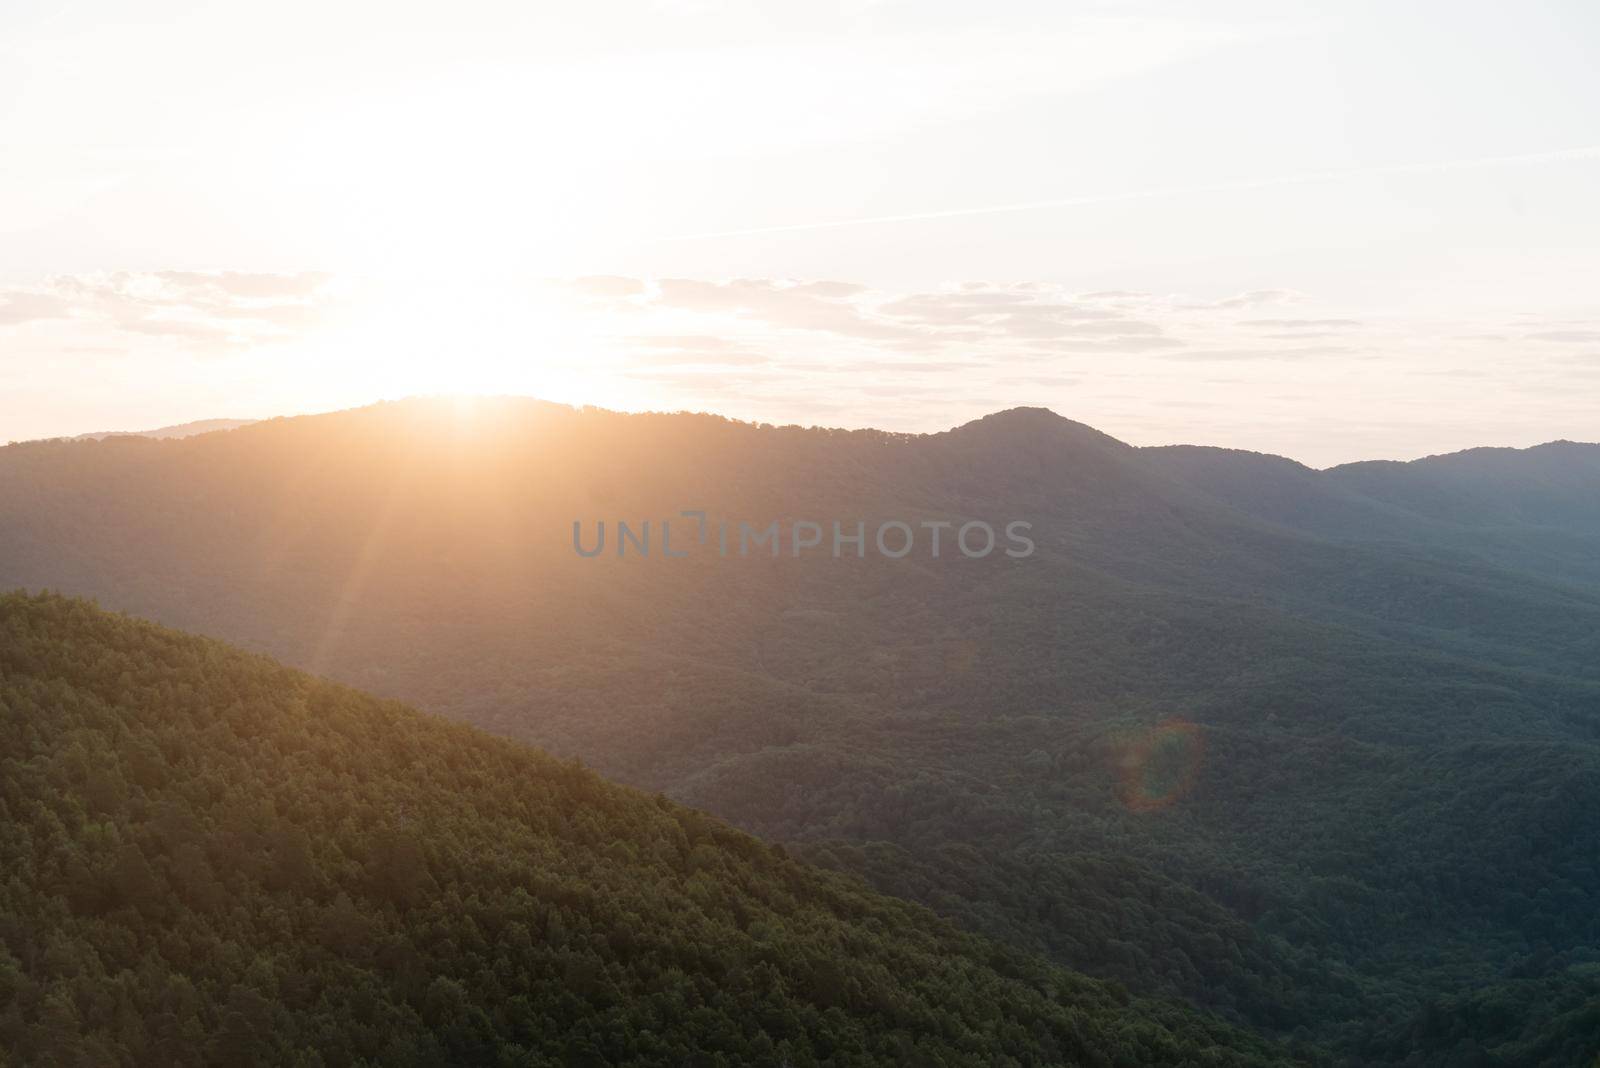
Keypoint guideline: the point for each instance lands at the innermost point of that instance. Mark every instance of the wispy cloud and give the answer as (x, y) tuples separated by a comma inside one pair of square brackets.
[(21, 306), (1567, 336), (1299, 324), (215, 308), (1528, 159)]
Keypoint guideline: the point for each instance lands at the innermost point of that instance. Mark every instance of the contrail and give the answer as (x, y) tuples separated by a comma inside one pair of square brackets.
[(1563, 155)]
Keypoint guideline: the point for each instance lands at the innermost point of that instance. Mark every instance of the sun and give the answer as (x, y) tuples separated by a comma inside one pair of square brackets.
[(450, 335)]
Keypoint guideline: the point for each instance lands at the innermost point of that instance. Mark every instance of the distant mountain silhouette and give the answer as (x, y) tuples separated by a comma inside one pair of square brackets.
[(180, 430)]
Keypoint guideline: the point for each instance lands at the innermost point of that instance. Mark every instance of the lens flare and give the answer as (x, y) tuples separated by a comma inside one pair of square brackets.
[(1160, 766)]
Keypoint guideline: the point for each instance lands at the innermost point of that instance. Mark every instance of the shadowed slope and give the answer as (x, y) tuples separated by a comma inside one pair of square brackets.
[(211, 859)]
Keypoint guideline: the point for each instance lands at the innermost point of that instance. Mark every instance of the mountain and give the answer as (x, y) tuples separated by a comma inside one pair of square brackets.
[(1535, 509), (211, 859), (1316, 751), (1556, 484), (179, 430)]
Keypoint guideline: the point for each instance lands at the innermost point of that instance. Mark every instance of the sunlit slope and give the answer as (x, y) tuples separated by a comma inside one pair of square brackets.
[(211, 859)]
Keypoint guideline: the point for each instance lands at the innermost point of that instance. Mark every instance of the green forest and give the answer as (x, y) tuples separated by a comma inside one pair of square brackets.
[(1316, 753), (210, 859)]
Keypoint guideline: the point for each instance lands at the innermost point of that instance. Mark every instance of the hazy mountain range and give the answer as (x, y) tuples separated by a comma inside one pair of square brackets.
[(1317, 751), (179, 430)]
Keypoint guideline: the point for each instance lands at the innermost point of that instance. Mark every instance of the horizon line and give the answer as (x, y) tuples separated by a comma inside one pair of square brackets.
[(102, 436)]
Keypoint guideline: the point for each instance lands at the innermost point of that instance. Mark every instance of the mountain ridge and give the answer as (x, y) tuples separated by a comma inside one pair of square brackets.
[(928, 723), (176, 430), (467, 406)]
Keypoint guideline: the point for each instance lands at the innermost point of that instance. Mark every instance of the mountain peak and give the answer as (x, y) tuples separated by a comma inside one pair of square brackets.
[(1032, 421)]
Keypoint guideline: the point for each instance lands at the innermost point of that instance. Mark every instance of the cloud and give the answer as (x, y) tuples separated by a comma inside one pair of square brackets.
[(176, 328), (1257, 296), (830, 289), (1299, 324), (1046, 326), (824, 307), (1568, 336), (682, 342), (214, 308), (952, 307), (690, 359), (900, 389), (22, 306), (1220, 355), (992, 321), (1115, 294), (995, 306), (605, 285), (255, 285), (905, 366), (703, 381), (692, 349), (1046, 380), (1089, 346)]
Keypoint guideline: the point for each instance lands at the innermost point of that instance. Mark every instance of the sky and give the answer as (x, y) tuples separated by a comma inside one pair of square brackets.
[(1333, 231)]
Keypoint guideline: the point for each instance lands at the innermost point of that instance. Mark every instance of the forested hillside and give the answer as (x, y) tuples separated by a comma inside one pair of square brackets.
[(212, 860), (1317, 751)]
